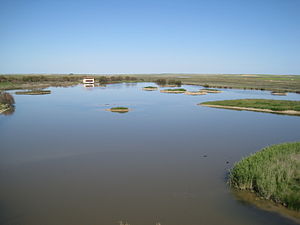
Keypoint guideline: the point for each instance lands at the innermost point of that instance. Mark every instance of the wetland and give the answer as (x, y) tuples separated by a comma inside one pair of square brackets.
[(64, 160)]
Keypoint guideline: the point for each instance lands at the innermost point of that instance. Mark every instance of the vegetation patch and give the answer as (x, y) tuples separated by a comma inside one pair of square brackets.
[(287, 83), (118, 109), (150, 88), (166, 82), (7, 103), (272, 173), (33, 92), (24, 81), (262, 105), (176, 90)]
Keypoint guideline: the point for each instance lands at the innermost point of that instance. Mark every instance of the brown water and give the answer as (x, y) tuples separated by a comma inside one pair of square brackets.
[(64, 160)]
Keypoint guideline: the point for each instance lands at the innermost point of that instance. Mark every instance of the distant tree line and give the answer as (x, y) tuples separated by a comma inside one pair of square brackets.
[(37, 78), (112, 79), (62, 78)]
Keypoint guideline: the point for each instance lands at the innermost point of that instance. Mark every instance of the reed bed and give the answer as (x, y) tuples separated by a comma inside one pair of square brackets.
[(272, 173)]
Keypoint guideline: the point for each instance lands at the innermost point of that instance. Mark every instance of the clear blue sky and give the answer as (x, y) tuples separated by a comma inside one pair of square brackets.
[(155, 36)]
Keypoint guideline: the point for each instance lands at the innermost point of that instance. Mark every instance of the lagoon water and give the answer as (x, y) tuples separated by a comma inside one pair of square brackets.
[(64, 160)]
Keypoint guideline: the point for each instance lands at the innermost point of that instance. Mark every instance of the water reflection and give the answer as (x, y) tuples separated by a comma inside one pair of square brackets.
[(88, 86)]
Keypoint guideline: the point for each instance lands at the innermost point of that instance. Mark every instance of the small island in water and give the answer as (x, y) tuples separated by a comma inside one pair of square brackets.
[(260, 105), (150, 88), (119, 109), (174, 91)]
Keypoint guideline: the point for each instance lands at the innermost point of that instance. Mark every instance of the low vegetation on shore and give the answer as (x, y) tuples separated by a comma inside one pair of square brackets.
[(168, 82), (272, 173), (277, 83), (7, 103), (263, 105), (10, 82), (285, 83)]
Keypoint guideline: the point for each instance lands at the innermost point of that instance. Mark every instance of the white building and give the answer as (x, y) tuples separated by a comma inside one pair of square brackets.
[(88, 80)]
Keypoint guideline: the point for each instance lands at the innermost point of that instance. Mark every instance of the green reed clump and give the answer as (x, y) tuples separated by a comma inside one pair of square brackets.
[(273, 173)]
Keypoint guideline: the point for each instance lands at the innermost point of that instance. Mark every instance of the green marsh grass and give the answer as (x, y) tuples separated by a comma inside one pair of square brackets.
[(275, 105), (272, 173)]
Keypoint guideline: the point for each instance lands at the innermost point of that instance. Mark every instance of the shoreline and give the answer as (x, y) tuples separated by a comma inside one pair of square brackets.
[(252, 199), (263, 82), (287, 112)]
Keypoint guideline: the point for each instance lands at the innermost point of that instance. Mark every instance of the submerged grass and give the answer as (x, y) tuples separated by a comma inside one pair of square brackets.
[(275, 105), (272, 173)]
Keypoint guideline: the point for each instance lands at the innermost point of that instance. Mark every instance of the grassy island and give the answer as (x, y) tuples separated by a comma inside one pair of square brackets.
[(261, 105), (119, 109), (150, 88), (33, 92), (175, 91), (272, 173)]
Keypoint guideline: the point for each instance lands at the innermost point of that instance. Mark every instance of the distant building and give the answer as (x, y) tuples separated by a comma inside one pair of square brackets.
[(88, 80)]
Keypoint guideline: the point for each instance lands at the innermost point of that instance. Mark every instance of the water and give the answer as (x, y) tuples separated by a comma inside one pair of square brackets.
[(64, 160)]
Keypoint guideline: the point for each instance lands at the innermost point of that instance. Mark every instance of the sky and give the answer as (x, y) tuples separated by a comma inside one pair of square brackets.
[(155, 36)]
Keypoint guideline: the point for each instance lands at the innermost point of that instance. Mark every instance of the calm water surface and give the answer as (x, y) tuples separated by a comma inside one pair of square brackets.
[(64, 160)]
